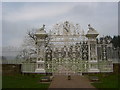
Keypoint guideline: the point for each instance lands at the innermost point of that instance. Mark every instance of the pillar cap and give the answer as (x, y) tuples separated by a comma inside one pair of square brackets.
[(91, 32), (41, 32)]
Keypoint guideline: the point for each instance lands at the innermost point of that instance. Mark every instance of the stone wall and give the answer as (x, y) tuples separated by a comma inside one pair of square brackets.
[(116, 67), (11, 69)]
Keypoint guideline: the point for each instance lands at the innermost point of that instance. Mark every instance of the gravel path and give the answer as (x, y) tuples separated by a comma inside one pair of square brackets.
[(77, 81)]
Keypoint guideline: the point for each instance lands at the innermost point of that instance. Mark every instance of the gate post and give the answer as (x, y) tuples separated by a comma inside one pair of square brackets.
[(92, 46), (40, 43)]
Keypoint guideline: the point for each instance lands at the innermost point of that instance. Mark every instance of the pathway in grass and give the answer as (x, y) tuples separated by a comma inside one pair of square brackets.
[(61, 81)]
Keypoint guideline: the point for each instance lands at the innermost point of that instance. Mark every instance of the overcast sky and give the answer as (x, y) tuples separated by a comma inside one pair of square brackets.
[(20, 17)]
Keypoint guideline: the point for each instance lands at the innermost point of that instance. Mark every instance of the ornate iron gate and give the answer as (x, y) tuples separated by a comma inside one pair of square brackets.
[(70, 51), (67, 52)]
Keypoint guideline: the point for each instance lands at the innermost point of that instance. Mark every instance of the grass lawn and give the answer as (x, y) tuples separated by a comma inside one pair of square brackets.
[(19, 81), (107, 81)]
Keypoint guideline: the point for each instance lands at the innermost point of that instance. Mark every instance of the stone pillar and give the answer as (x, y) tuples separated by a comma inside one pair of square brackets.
[(92, 46), (40, 40)]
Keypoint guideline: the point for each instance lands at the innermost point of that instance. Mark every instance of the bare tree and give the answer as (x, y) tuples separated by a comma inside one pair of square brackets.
[(29, 47)]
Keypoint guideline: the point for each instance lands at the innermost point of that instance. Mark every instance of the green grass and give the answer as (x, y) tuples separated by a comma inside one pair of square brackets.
[(107, 81), (19, 81), (29, 81)]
